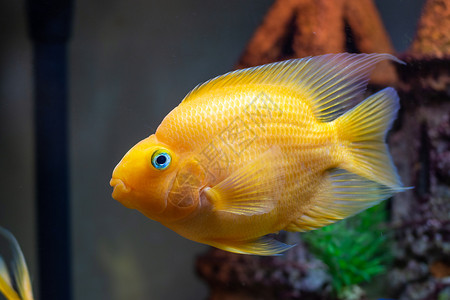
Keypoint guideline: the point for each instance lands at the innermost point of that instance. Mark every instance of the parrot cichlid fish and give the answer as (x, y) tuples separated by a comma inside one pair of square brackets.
[(17, 286), (284, 146)]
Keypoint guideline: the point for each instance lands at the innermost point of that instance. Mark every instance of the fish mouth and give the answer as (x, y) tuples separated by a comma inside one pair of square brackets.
[(120, 188)]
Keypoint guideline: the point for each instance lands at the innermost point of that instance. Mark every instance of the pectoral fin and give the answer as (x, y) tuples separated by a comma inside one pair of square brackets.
[(265, 246), (252, 189), (6, 287), (19, 271)]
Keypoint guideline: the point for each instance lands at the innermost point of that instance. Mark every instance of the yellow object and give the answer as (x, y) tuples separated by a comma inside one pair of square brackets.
[(19, 271), (255, 151)]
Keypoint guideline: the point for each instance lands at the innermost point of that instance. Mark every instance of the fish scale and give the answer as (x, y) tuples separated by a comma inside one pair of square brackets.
[(294, 129)]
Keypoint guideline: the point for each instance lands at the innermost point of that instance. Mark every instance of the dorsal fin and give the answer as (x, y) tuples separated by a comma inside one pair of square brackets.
[(330, 81)]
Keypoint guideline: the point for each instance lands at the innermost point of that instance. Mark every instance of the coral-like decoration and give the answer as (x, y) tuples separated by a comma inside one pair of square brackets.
[(299, 28), (421, 217), (295, 275), (433, 35)]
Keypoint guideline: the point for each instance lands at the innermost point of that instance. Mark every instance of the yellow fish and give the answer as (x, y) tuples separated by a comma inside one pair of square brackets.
[(19, 270), (255, 151)]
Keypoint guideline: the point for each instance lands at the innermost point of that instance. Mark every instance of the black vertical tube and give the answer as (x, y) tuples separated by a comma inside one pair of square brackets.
[(49, 27)]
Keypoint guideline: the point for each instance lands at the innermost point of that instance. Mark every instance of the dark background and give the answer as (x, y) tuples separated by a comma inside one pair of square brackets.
[(131, 62)]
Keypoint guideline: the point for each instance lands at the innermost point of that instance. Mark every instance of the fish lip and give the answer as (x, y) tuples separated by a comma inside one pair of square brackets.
[(118, 184)]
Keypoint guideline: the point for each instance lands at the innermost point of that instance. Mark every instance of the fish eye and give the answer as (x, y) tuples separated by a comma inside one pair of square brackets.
[(161, 159)]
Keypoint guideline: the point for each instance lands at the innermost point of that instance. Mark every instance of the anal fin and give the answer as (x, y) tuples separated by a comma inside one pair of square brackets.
[(265, 246), (341, 195)]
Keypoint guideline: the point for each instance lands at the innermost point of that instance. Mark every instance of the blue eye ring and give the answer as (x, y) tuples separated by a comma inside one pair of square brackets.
[(161, 159)]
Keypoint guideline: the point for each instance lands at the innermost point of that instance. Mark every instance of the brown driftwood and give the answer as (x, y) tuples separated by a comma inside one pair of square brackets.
[(299, 28)]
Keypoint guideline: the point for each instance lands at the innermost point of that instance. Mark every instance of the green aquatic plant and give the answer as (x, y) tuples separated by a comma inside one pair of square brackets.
[(355, 250)]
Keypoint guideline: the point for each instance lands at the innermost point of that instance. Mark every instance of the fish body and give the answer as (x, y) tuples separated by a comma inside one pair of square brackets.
[(255, 151)]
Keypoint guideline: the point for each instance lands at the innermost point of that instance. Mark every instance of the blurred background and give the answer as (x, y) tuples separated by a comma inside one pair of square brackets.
[(131, 62)]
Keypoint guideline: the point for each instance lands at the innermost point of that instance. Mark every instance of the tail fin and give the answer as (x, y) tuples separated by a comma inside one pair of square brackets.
[(369, 176), (19, 270), (363, 130)]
